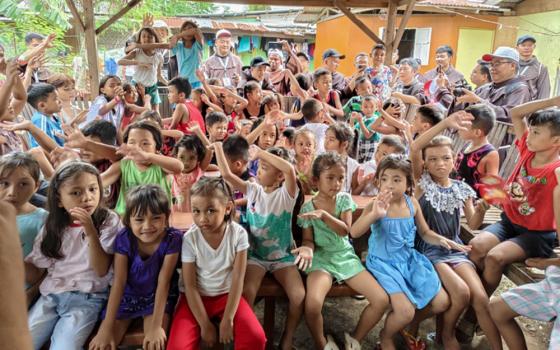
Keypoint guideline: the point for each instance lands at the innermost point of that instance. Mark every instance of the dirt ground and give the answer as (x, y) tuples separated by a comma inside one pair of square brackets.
[(341, 315)]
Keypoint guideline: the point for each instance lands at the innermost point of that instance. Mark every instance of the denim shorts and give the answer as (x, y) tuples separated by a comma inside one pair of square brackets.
[(534, 243)]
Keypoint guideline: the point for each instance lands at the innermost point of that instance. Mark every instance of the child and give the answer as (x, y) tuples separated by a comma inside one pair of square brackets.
[(109, 105), (12, 100), (185, 112), (236, 150), (43, 98), (216, 124), (214, 257), (538, 301), (442, 201), (75, 250), (338, 139), (406, 275), (230, 102), (328, 254), (142, 163), (270, 205), (131, 109), (427, 116), (368, 137), (192, 153), (322, 81), (287, 138), (146, 254), (527, 228), (187, 47), (253, 93), (66, 92), (264, 134), (315, 115), (305, 145), (148, 64), (389, 144), (354, 104)]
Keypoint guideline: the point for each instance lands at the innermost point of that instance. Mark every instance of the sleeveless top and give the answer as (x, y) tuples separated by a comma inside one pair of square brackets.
[(467, 165)]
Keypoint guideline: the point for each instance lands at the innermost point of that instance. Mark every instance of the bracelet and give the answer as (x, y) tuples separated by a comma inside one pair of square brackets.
[(117, 98)]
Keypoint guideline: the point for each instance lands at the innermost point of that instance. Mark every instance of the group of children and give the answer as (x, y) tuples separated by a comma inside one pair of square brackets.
[(91, 263)]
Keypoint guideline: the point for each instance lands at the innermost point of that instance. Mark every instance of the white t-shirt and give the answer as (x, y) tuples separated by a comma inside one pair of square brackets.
[(319, 130), (352, 166), (368, 169), (147, 76), (214, 267)]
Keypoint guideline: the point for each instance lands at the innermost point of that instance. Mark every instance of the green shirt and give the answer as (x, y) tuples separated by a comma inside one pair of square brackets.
[(131, 176)]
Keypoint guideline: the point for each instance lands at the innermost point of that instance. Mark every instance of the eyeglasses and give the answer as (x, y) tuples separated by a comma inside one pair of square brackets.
[(498, 63)]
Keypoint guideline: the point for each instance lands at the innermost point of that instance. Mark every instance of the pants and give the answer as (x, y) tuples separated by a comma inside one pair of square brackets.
[(248, 333), (67, 318)]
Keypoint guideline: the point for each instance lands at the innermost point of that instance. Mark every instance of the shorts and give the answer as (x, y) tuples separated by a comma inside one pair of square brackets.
[(535, 243), (270, 266), (153, 92)]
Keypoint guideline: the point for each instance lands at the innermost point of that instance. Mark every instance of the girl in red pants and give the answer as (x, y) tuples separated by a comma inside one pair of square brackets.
[(214, 256)]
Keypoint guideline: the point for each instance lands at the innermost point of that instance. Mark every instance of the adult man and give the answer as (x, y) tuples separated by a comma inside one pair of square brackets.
[(507, 89), (257, 72), (409, 89), (533, 72), (223, 64), (480, 74), (277, 74), (443, 60), (331, 61), (361, 63)]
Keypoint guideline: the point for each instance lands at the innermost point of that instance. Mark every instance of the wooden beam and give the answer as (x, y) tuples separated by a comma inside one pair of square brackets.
[(390, 30), (116, 16), (309, 3), (91, 46), (357, 22), (77, 17), (403, 23)]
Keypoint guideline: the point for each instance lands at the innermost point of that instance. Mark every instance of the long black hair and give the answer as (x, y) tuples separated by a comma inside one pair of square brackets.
[(59, 219), (143, 199)]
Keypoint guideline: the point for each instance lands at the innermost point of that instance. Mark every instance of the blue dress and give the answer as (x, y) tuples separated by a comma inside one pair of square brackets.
[(140, 290), (396, 265)]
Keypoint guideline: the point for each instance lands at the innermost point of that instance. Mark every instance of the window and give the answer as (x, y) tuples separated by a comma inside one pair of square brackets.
[(415, 43)]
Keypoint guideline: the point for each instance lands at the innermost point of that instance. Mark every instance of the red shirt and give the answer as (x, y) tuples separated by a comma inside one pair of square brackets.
[(530, 192), (194, 116)]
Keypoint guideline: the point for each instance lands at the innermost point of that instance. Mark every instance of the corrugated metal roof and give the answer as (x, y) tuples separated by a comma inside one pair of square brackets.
[(474, 4)]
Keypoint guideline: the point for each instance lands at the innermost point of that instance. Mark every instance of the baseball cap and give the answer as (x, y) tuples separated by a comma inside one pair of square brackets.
[(160, 24), (276, 52), (332, 53), (223, 33), (503, 52), (525, 38), (258, 61)]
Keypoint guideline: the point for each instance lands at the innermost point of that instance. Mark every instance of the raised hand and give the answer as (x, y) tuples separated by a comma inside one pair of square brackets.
[(286, 46), (147, 20), (61, 155), (356, 117), (73, 137), (304, 257), (468, 97), (135, 154), (204, 99), (381, 204), (13, 126), (460, 120), (12, 71), (253, 152), (200, 75)]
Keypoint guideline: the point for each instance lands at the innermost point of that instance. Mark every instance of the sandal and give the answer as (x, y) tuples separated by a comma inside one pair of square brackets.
[(412, 342)]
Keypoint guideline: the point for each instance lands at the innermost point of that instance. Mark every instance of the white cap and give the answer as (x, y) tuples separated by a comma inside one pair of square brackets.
[(503, 52), (223, 32), (160, 24)]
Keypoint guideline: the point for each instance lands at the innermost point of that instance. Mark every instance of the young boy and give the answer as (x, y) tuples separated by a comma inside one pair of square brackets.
[(216, 124), (363, 89), (363, 122), (322, 80), (426, 117), (538, 301), (527, 228), (185, 112), (43, 98), (315, 114), (236, 150)]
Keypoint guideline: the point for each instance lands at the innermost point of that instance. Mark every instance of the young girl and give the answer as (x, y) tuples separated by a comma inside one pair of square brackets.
[(338, 139), (368, 136), (75, 250), (66, 92), (109, 105), (264, 134), (214, 256), (192, 153), (253, 93), (131, 109), (406, 275), (305, 145), (328, 253), (442, 200), (142, 163), (148, 64), (146, 254), (187, 45), (270, 206)]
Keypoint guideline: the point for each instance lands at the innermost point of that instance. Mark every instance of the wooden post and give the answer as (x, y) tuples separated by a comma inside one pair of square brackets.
[(91, 46), (116, 16), (404, 21), (390, 31)]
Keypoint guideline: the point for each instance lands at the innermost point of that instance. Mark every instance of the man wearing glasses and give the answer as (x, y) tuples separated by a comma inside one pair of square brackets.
[(507, 89)]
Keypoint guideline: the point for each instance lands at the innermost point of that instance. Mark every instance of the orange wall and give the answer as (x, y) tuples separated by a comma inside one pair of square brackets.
[(340, 33)]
